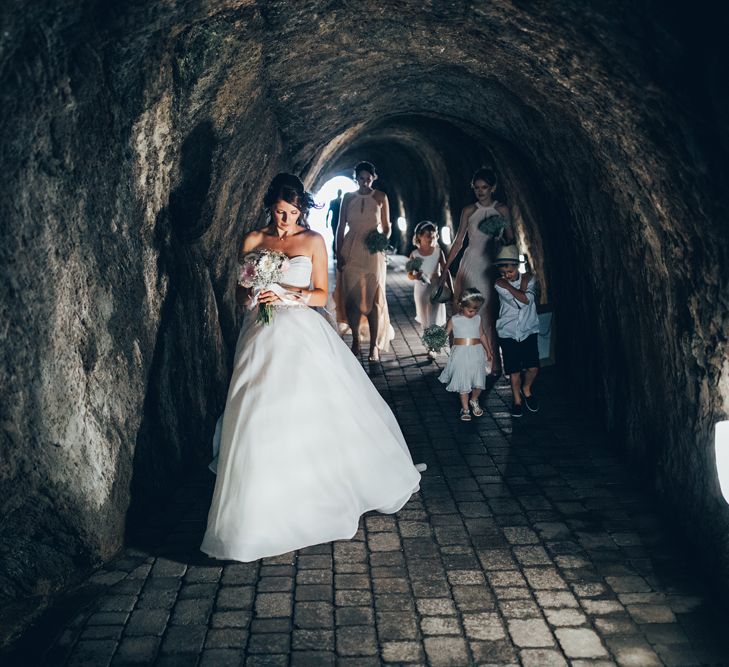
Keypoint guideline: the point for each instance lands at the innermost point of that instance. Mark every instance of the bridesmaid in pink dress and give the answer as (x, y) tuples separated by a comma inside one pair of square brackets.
[(360, 291), (475, 267)]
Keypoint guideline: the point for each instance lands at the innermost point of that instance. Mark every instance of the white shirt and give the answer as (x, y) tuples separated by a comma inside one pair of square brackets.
[(517, 320)]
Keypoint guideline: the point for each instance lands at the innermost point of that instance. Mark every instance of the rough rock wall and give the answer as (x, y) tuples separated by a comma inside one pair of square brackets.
[(120, 223), (138, 142)]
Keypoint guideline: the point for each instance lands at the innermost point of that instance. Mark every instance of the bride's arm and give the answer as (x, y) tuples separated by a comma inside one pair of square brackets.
[(319, 274)]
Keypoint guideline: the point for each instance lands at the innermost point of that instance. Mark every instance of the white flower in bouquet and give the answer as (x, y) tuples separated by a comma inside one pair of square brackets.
[(259, 270)]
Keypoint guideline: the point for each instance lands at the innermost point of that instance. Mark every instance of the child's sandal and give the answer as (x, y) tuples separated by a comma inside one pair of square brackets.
[(465, 415), (476, 408)]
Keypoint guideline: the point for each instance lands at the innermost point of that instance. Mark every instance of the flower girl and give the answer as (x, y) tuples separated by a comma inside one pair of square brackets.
[(465, 371), (424, 267)]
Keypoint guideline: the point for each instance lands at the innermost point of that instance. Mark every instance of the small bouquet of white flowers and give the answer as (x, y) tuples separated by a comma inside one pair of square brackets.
[(415, 265), (259, 270), (494, 225), (435, 338)]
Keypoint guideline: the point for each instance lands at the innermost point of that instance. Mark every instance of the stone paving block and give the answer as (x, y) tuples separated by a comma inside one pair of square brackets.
[(353, 598), (466, 578), (436, 606), (473, 598), (267, 660), (500, 653), (394, 625), (354, 616), (312, 659), (203, 574), (633, 652), (226, 638), (275, 585), (314, 592), (102, 632), (530, 633), (137, 650), (620, 624), (384, 542), (483, 626), (230, 619), (314, 577), (273, 604), (260, 625), (648, 613), (538, 657), (402, 651), (108, 618), (197, 591), (147, 622), (235, 597), (393, 602), (117, 603), (269, 643), (565, 617), (92, 653), (312, 640), (603, 607), (315, 562), (628, 584), (157, 599), (520, 609), (440, 625), (446, 651), (356, 640), (184, 639), (237, 574), (544, 578), (177, 660), (191, 612), (221, 657), (580, 643), (316, 615), (168, 568)]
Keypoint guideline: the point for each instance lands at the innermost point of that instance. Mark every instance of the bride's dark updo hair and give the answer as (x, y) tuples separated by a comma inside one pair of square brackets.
[(289, 188)]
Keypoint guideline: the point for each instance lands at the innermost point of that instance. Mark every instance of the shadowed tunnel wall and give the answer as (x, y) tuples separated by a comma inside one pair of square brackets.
[(138, 139)]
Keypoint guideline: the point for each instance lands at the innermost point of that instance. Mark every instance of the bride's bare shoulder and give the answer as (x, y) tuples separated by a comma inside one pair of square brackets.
[(252, 239)]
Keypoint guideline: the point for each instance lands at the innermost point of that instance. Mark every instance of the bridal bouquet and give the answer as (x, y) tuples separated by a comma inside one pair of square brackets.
[(493, 225), (435, 338), (259, 270), (376, 242), (415, 265)]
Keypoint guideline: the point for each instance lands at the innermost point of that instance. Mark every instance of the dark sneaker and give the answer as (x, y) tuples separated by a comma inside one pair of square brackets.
[(531, 402), (517, 410)]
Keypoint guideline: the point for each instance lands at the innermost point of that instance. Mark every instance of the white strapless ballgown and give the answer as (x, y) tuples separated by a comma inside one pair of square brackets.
[(307, 445)]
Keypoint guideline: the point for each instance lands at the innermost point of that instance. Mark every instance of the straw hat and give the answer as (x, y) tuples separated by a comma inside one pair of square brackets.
[(509, 254)]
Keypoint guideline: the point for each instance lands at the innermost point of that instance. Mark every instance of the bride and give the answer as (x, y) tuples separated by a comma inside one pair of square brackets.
[(307, 445)]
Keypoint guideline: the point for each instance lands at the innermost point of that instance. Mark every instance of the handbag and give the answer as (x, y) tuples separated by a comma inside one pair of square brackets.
[(441, 293)]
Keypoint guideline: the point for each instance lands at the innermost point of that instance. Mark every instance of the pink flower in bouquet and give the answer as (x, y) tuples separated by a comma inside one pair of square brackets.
[(247, 275)]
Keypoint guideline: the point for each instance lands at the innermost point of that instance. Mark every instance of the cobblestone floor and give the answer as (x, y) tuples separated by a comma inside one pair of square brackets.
[(530, 543)]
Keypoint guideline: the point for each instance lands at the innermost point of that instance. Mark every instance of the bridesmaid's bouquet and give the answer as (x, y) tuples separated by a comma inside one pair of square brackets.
[(494, 225), (415, 265), (435, 338), (376, 242), (259, 270)]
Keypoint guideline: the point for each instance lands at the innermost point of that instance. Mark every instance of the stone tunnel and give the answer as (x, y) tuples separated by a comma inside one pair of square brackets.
[(138, 139)]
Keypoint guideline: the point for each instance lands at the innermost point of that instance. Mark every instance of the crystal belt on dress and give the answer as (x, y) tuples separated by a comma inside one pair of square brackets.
[(466, 341)]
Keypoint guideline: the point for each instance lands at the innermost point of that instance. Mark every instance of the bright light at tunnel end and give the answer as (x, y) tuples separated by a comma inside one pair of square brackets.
[(445, 234), (402, 224), (721, 444)]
